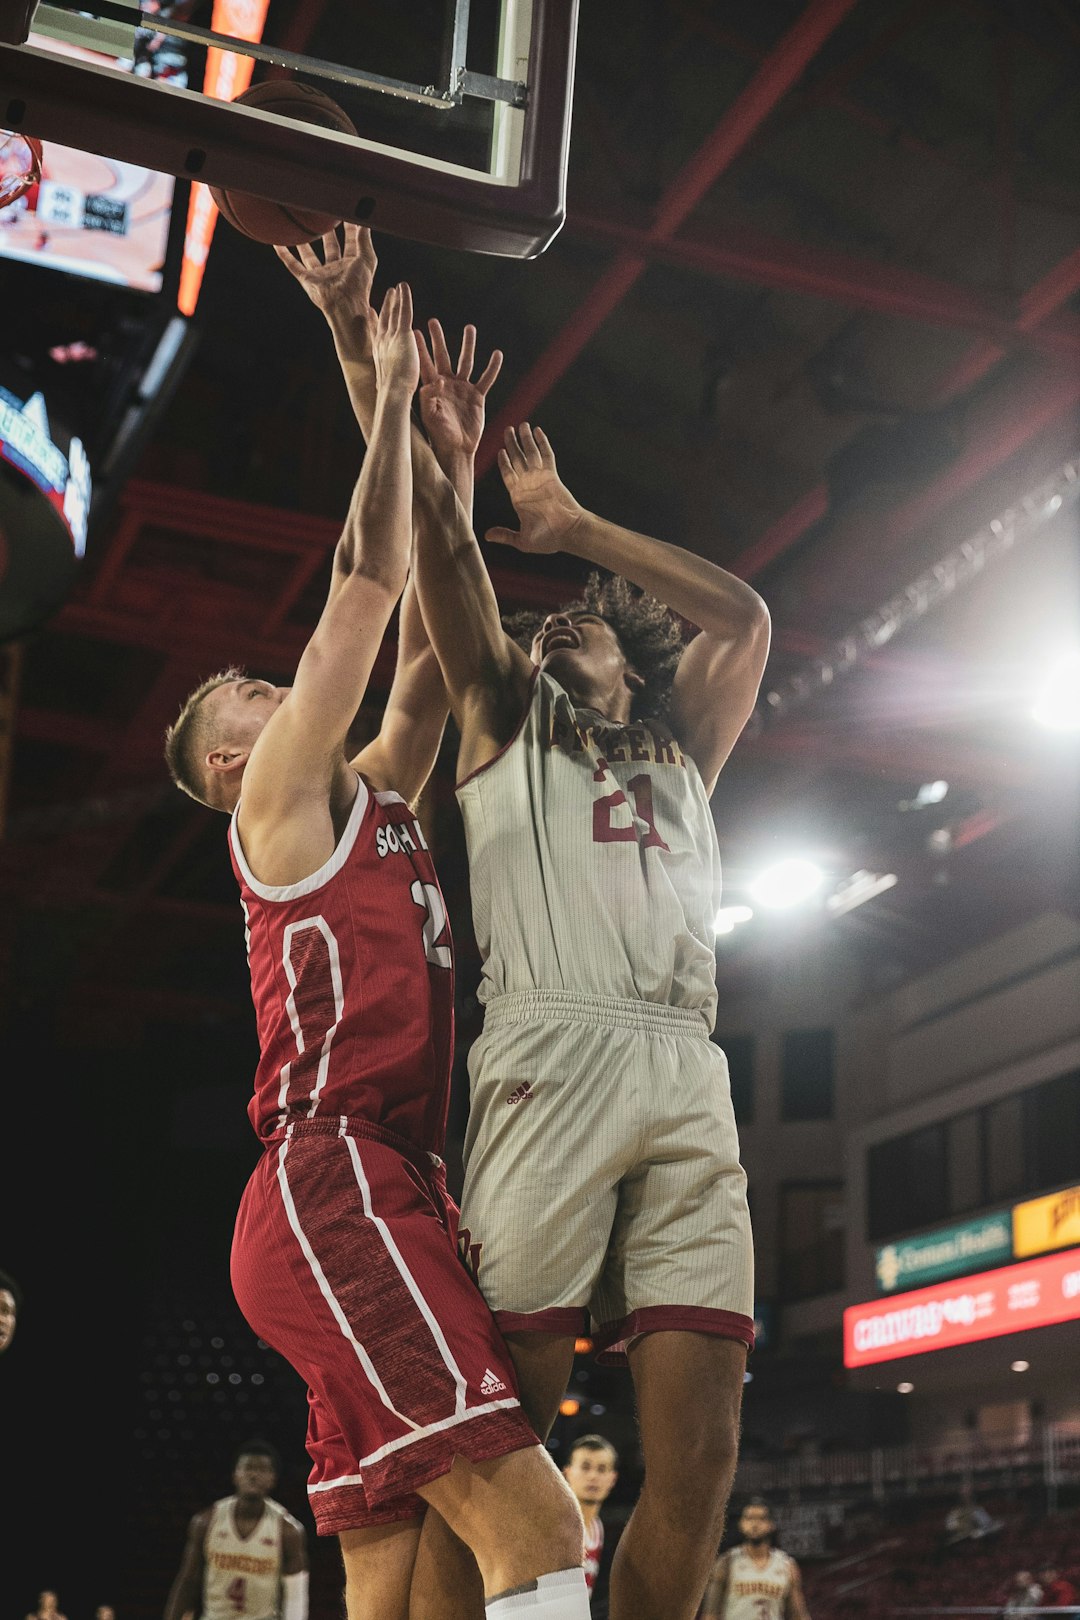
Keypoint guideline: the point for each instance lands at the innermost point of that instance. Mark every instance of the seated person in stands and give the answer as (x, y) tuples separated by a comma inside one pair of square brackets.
[(967, 1521), (1058, 1592), (1024, 1594)]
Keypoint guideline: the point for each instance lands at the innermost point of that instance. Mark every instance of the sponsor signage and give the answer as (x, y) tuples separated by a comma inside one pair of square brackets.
[(1047, 1223), (948, 1252), (26, 443), (227, 76), (1036, 1293)]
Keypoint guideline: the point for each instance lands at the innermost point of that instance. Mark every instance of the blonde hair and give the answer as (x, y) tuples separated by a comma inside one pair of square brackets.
[(186, 739)]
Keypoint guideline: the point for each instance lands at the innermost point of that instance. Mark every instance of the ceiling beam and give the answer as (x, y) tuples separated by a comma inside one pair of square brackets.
[(768, 85), (757, 259), (1048, 294)]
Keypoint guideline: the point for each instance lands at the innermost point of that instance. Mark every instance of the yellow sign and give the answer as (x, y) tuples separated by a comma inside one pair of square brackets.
[(1047, 1223)]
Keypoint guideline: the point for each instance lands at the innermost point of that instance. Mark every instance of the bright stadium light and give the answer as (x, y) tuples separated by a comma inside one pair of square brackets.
[(788, 883), (1020, 1366), (728, 916), (905, 1388), (1058, 704)]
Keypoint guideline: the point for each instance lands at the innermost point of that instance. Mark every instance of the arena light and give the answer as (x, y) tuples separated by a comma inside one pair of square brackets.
[(728, 917), (857, 889), (790, 882), (905, 1388), (1020, 1366), (1058, 704)]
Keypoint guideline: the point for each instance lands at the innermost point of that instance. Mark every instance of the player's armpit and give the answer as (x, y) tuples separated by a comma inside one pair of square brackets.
[(714, 693)]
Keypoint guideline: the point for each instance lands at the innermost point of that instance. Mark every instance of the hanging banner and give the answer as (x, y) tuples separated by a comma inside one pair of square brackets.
[(1047, 1223), (227, 76), (1035, 1294), (949, 1252)]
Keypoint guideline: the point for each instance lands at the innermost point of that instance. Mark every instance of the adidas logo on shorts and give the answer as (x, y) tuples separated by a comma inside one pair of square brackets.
[(491, 1385), (522, 1094)]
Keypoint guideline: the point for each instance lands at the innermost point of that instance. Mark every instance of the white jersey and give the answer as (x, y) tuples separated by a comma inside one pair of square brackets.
[(242, 1574), (757, 1591), (593, 859)]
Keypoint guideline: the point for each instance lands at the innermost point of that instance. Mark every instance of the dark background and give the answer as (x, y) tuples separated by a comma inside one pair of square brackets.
[(859, 347)]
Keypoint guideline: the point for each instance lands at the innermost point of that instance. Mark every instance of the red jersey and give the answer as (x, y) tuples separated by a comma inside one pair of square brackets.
[(353, 982), (594, 1549)]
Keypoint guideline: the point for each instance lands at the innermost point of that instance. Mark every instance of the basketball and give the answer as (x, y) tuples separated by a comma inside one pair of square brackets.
[(272, 222)]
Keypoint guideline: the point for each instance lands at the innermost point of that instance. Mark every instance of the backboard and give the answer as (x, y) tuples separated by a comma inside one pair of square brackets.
[(487, 174)]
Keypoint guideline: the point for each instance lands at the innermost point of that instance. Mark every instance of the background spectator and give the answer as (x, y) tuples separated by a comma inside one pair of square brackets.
[(1057, 1591)]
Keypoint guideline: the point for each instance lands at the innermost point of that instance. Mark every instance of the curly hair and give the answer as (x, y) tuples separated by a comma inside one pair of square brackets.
[(649, 634)]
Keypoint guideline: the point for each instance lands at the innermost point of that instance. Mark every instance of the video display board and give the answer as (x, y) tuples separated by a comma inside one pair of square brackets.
[(89, 215), (1034, 1294)]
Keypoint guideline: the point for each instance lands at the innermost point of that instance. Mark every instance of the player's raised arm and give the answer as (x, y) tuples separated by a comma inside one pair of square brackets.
[(716, 684), (296, 777), (452, 407), (185, 1594), (486, 674)]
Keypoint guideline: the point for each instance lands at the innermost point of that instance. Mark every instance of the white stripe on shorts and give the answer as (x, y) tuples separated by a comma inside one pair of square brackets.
[(328, 1294), (408, 1279), (411, 1439)]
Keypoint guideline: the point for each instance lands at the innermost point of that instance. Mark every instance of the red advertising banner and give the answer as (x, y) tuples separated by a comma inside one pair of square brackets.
[(227, 76), (1034, 1294)]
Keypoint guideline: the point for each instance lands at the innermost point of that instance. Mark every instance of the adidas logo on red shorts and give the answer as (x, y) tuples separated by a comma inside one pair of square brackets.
[(522, 1094), (491, 1385)]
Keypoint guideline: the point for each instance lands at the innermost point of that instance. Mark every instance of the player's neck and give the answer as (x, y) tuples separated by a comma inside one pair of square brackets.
[(589, 1511), (609, 708), (759, 1551)]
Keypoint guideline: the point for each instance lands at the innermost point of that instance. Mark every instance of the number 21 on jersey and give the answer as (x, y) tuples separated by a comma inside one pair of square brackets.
[(604, 828)]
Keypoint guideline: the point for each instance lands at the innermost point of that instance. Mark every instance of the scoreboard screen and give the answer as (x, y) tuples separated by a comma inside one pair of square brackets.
[(89, 215)]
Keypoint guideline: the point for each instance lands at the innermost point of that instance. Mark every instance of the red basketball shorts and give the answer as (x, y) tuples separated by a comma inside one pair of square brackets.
[(344, 1260)]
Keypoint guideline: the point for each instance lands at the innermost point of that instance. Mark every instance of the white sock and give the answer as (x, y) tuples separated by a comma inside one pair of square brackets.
[(560, 1596)]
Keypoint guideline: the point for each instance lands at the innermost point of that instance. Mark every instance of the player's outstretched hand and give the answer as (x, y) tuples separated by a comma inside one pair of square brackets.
[(393, 347), (451, 404), (338, 283), (547, 511)]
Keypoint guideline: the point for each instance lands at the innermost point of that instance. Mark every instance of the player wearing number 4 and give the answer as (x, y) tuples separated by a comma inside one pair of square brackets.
[(755, 1581), (245, 1558), (344, 1256), (603, 1189)]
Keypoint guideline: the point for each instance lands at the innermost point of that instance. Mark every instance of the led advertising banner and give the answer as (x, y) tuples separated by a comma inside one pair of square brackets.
[(949, 1252), (45, 492), (227, 76), (1047, 1223), (1034, 1294)]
